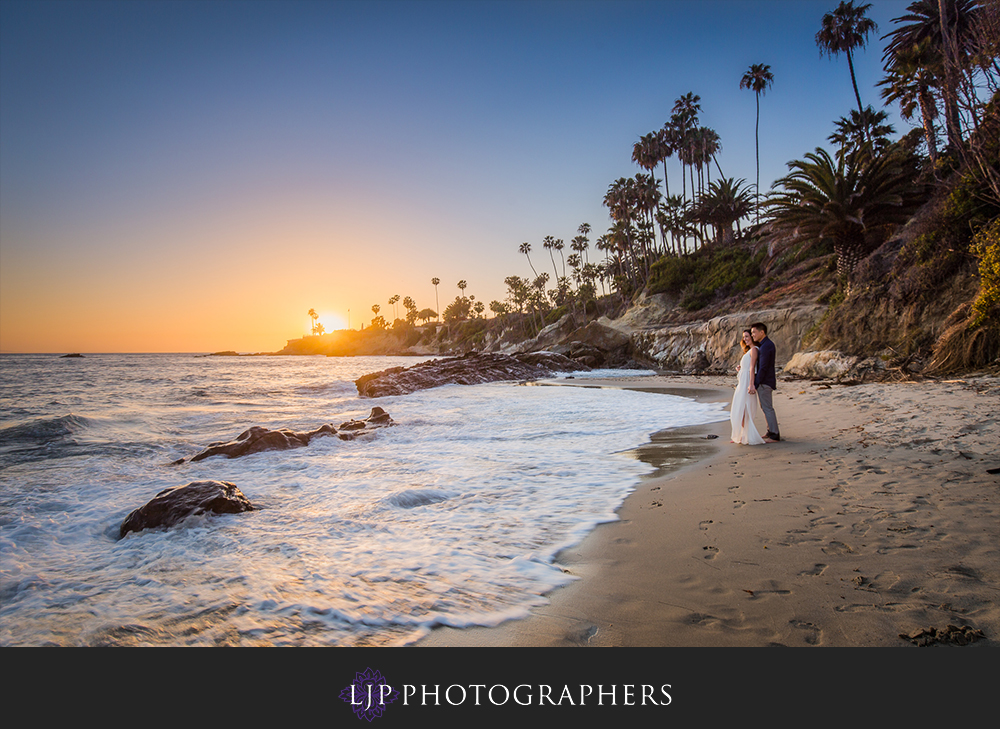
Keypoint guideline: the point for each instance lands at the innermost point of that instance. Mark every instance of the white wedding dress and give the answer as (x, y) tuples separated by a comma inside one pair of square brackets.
[(744, 407)]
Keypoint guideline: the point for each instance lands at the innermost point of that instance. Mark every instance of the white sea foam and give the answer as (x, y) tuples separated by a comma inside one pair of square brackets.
[(451, 517)]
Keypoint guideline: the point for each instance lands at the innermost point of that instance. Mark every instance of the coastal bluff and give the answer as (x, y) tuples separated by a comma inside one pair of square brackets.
[(712, 346)]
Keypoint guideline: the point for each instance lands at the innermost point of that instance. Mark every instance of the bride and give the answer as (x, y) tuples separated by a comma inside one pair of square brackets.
[(744, 406)]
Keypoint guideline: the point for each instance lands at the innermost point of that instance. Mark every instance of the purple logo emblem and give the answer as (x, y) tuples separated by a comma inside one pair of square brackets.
[(369, 694)]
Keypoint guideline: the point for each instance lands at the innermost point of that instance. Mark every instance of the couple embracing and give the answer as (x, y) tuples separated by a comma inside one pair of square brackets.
[(756, 383)]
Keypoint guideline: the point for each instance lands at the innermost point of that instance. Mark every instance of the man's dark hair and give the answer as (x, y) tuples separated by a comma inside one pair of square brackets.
[(758, 325)]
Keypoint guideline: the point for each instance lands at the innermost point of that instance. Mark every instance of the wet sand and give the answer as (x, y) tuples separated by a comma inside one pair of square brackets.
[(875, 517)]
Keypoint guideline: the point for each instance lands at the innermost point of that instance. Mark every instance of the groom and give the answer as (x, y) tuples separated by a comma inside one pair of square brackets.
[(764, 380)]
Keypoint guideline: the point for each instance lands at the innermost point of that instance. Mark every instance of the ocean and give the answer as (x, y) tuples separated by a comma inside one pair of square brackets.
[(452, 517)]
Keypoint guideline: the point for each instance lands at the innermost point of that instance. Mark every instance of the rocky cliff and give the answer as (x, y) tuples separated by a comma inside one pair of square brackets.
[(713, 345)]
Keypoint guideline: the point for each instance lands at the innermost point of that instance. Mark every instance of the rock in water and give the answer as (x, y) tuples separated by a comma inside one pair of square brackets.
[(179, 502), (258, 439), (471, 369)]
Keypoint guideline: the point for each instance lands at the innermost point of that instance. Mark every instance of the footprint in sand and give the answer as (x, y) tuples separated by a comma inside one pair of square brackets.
[(837, 548), (704, 525), (733, 489), (813, 635), (816, 571), (703, 619), (711, 552), (739, 504), (860, 529)]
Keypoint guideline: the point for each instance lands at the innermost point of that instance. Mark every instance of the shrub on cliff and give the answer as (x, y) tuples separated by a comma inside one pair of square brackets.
[(710, 272)]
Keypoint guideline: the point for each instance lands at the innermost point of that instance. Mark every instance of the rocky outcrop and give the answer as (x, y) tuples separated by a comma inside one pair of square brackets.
[(258, 439), (713, 345), (471, 369), (826, 364), (176, 503), (831, 364), (596, 344)]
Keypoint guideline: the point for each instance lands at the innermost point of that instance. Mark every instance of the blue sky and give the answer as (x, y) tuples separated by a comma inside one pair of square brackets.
[(195, 176)]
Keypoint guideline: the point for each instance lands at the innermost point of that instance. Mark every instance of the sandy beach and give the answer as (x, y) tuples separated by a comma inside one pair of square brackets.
[(875, 517)]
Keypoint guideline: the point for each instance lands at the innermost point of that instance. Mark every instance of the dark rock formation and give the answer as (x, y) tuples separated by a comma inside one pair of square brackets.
[(597, 345), (179, 502), (258, 439), (471, 369), (74, 355)]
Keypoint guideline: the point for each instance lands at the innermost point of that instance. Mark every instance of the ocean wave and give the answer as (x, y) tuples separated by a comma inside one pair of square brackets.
[(45, 430)]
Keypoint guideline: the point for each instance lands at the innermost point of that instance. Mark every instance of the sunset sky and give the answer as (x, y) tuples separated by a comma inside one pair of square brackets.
[(190, 176)]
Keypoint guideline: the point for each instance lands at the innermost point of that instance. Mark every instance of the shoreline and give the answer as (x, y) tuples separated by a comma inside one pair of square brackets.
[(874, 522)]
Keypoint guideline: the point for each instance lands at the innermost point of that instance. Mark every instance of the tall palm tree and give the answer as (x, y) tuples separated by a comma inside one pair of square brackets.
[(668, 147), (648, 152), (854, 206), (581, 244), (683, 120), (549, 243), (757, 79), (392, 302), (948, 46), (909, 81), (843, 30), (526, 249), (437, 306), (558, 245), (314, 316)]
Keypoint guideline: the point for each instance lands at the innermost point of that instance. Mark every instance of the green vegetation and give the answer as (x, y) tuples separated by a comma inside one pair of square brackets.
[(707, 274), (986, 307)]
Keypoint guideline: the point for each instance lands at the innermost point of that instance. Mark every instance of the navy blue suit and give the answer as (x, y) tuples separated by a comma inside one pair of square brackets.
[(765, 382), (765, 365)]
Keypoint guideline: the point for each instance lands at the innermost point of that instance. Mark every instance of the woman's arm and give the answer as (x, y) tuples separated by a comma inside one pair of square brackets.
[(753, 369)]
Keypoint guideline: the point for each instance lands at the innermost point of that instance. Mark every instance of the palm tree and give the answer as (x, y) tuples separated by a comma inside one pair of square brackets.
[(526, 249), (682, 121), (854, 205), (314, 316), (724, 203), (620, 202), (669, 142), (909, 79), (392, 302), (648, 152), (865, 133), (947, 45), (845, 29), (559, 245), (462, 286), (411, 310), (549, 243), (437, 305), (758, 79), (686, 110)]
